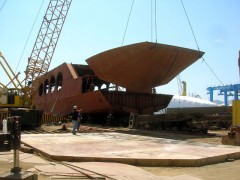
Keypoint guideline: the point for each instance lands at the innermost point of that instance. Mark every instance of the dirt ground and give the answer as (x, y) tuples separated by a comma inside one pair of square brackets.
[(227, 170)]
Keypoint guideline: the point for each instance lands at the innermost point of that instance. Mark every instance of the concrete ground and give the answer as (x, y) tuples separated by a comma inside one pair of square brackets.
[(118, 146), (48, 169), (128, 149)]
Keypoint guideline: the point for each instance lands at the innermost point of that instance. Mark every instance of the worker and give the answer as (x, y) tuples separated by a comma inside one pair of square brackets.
[(110, 119), (75, 119)]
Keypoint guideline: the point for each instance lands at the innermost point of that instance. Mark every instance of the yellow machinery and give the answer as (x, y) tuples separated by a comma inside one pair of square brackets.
[(184, 92), (10, 97), (233, 137), (182, 86)]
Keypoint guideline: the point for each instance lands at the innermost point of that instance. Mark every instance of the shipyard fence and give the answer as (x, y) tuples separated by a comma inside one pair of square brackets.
[(45, 119), (53, 119)]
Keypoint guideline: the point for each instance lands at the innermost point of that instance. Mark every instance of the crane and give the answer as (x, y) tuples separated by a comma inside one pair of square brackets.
[(9, 97), (43, 49), (45, 44)]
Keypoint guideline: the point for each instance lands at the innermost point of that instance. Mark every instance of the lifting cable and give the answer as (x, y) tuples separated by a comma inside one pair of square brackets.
[(29, 36), (155, 14), (151, 20), (198, 45), (127, 22), (2, 5), (155, 20)]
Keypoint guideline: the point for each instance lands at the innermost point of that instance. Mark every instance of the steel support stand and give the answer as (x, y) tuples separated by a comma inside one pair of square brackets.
[(15, 139)]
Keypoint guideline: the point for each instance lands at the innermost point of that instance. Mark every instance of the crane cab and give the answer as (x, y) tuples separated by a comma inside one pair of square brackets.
[(10, 97)]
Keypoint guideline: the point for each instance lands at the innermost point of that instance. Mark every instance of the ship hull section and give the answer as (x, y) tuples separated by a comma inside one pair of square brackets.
[(139, 67)]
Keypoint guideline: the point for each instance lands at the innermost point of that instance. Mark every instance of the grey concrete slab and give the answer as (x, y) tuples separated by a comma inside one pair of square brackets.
[(128, 149)]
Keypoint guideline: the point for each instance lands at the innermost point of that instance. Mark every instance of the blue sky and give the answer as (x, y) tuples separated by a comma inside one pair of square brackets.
[(93, 26)]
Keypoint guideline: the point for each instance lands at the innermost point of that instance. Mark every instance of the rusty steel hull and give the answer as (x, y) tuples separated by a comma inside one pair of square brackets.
[(101, 101), (75, 91), (139, 67), (139, 103)]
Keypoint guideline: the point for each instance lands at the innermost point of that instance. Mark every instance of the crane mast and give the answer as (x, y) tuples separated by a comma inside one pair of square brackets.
[(39, 60), (45, 44)]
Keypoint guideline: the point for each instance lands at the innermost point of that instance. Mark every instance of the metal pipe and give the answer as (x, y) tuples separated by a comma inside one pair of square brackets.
[(16, 158)]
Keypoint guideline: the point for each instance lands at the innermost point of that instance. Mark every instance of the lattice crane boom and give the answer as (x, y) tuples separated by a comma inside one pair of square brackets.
[(45, 44)]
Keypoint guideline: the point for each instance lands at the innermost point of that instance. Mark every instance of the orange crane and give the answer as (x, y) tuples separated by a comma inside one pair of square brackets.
[(45, 44), (42, 52)]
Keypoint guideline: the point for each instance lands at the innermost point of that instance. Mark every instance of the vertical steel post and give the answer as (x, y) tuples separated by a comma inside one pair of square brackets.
[(210, 89), (16, 140), (235, 94), (225, 98), (16, 159)]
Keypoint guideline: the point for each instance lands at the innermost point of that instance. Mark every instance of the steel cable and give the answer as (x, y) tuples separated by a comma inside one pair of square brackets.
[(127, 22), (198, 45), (156, 20), (28, 37), (2, 5)]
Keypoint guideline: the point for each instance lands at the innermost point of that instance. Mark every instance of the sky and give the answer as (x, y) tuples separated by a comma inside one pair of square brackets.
[(94, 26)]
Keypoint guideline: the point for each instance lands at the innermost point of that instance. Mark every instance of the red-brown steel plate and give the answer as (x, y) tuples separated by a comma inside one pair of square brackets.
[(139, 67)]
